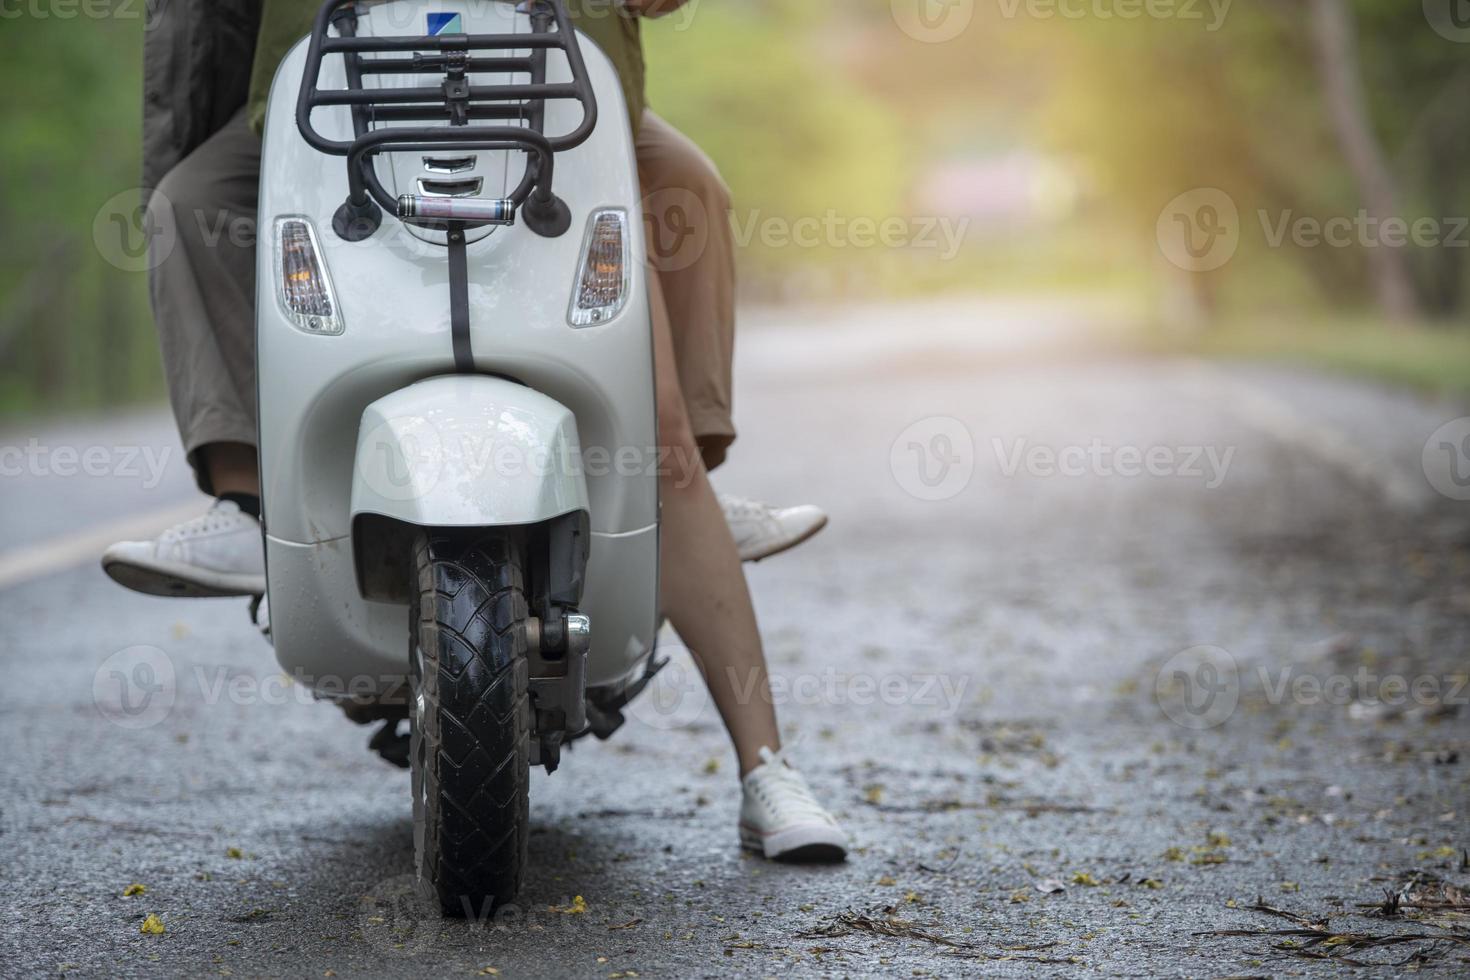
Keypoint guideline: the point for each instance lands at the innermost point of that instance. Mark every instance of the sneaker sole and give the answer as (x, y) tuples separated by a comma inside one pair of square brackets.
[(176, 579), (786, 544), (799, 845)]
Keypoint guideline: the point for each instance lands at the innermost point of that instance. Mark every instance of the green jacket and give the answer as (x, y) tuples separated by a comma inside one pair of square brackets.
[(284, 22)]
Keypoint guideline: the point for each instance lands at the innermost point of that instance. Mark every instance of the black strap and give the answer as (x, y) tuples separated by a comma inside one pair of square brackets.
[(459, 300)]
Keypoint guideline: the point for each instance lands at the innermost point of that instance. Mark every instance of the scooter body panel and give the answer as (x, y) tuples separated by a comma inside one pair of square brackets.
[(554, 387), (468, 451)]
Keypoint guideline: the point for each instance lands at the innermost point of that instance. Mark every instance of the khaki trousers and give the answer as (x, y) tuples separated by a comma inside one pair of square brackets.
[(202, 282)]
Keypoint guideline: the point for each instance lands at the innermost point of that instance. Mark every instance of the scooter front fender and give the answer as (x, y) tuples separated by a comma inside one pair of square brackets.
[(468, 451)]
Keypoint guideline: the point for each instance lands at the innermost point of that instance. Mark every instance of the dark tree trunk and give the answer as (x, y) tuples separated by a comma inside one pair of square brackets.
[(1335, 33)]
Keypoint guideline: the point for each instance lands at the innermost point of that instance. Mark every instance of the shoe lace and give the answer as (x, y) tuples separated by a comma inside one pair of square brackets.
[(217, 518), (743, 507), (784, 788)]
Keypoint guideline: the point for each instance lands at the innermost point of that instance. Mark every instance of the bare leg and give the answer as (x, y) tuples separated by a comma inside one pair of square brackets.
[(703, 589), (233, 467)]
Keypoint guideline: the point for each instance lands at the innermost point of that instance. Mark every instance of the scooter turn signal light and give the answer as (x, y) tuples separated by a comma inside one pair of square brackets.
[(305, 289), (603, 275)]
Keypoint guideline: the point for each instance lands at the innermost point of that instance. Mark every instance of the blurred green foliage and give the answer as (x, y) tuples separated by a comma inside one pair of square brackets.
[(1158, 107), (74, 329)]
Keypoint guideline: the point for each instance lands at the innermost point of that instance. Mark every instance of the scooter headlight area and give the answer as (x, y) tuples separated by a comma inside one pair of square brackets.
[(459, 454)]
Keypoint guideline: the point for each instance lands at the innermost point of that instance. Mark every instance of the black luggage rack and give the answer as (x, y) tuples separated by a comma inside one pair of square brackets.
[(455, 100)]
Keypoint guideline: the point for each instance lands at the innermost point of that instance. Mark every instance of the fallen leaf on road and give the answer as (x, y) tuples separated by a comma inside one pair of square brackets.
[(152, 925), (1084, 878), (577, 907), (133, 889), (1049, 886)]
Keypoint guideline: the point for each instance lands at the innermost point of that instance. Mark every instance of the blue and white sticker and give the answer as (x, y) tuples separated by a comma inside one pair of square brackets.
[(442, 23)]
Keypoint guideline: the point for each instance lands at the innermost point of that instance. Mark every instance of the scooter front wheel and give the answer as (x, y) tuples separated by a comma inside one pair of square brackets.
[(470, 719)]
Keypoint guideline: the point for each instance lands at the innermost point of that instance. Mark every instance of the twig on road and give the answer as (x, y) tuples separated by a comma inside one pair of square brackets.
[(883, 923), (1318, 925), (948, 865)]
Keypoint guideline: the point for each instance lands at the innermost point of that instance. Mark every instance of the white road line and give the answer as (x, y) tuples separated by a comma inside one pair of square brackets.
[(70, 550), (1279, 420)]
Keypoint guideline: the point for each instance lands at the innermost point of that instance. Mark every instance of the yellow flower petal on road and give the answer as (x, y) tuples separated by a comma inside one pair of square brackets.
[(578, 906)]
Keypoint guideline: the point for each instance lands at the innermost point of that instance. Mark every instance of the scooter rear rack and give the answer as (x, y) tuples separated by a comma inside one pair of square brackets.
[(382, 116)]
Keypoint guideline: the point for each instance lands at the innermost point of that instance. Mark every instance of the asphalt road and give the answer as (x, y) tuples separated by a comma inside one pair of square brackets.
[(1099, 658)]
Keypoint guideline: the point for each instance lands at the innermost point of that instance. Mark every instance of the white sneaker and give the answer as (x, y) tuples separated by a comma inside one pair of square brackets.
[(761, 530), (781, 819), (220, 553)]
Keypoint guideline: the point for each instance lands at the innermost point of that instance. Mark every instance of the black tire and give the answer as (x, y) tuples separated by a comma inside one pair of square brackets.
[(470, 720)]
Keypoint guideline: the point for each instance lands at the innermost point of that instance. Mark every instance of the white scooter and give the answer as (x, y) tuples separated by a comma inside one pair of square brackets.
[(457, 424)]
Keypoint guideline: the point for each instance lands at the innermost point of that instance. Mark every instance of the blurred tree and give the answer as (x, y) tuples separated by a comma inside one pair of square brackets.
[(1418, 85), (1335, 30), (1282, 110)]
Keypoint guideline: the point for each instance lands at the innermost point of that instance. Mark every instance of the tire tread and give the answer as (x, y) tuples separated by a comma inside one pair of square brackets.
[(472, 819)]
